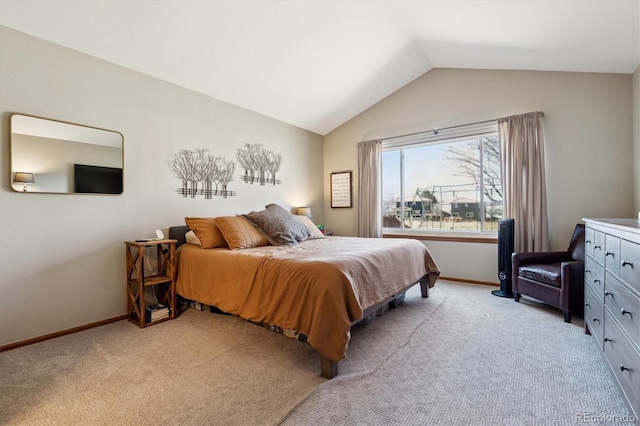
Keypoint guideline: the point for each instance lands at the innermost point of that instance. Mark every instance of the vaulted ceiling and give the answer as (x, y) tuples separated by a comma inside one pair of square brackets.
[(316, 64)]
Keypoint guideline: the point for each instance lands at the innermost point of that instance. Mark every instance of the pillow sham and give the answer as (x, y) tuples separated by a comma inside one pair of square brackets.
[(192, 239), (207, 231), (315, 232), (239, 233), (278, 225)]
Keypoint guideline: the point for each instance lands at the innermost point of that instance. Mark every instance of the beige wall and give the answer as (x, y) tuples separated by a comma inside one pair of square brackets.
[(589, 144), (62, 256), (636, 138)]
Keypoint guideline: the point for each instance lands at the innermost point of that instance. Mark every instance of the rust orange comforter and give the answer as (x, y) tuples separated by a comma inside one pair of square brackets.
[(318, 287)]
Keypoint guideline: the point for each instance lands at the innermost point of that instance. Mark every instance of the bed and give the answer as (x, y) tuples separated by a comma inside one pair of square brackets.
[(319, 287)]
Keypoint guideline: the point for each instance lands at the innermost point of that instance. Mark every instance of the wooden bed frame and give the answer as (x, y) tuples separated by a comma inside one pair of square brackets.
[(328, 368)]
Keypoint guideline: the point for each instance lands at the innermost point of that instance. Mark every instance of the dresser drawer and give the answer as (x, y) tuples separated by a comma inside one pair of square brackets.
[(624, 306), (612, 254), (594, 314), (597, 250), (588, 239), (594, 277), (630, 264), (624, 360)]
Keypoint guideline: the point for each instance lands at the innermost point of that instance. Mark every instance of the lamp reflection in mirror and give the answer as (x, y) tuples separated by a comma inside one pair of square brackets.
[(304, 211), (24, 178)]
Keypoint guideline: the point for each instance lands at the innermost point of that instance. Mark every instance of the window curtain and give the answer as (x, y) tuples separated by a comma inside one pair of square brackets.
[(525, 194), (370, 189)]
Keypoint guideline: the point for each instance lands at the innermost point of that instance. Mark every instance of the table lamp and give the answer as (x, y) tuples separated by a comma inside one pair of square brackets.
[(24, 179), (304, 211)]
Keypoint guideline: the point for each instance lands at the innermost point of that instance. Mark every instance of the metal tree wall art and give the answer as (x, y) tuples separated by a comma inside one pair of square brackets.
[(199, 168), (259, 164)]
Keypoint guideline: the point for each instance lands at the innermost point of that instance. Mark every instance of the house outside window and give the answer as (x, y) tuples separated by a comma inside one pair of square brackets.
[(443, 182)]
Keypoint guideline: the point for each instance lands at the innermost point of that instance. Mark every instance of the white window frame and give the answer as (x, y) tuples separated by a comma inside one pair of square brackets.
[(441, 136)]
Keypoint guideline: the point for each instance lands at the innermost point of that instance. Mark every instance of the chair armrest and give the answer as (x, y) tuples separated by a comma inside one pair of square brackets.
[(572, 288), (532, 258), (573, 269)]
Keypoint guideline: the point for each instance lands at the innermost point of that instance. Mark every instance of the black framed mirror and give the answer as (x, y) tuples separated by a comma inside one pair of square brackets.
[(51, 156)]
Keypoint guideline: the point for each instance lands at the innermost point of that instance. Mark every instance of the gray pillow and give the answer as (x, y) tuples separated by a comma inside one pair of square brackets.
[(278, 225)]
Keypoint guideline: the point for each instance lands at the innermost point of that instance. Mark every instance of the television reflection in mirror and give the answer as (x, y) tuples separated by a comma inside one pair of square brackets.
[(65, 157), (97, 179)]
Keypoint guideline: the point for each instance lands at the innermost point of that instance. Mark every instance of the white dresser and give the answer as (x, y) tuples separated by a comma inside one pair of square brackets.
[(612, 299)]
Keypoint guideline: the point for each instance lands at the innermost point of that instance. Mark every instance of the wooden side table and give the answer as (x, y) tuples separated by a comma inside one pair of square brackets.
[(164, 277)]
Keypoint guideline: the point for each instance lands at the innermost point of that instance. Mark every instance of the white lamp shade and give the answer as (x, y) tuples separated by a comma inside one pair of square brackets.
[(22, 177), (304, 211)]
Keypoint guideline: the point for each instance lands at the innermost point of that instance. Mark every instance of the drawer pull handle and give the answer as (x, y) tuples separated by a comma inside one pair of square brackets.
[(587, 305), (622, 368), (606, 339), (595, 280), (608, 293), (597, 247), (624, 311), (625, 263), (587, 271), (610, 253), (595, 319), (587, 241)]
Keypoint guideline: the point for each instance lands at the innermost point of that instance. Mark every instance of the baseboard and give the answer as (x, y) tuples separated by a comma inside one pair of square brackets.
[(123, 317), (60, 333), (465, 280)]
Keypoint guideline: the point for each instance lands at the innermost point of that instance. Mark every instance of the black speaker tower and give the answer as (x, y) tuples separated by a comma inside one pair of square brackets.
[(505, 249)]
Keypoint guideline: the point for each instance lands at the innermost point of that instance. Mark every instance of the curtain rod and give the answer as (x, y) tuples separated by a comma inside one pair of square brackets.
[(435, 130)]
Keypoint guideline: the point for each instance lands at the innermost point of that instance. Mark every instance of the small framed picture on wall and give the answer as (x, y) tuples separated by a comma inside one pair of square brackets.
[(341, 190)]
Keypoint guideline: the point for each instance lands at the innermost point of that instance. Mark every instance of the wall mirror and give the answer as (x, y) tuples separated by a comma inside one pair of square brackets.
[(57, 157)]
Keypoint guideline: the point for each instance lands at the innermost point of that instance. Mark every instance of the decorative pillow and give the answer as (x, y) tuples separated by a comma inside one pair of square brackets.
[(207, 231), (192, 238), (315, 232), (239, 233), (278, 225)]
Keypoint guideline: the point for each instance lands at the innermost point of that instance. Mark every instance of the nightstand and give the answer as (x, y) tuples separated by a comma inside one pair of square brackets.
[(163, 278)]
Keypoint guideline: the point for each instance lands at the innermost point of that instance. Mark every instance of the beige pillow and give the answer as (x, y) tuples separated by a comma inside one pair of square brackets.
[(207, 231), (192, 238), (315, 232), (239, 233)]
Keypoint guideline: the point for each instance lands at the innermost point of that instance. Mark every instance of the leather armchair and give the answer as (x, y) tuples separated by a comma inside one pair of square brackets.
[(555, 278)]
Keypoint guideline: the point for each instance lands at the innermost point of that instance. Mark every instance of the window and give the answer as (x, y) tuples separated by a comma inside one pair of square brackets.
[(449, 181)]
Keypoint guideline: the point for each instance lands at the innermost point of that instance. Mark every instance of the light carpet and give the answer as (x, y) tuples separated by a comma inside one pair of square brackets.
[(477, 359), (200, 368), (462, 356)]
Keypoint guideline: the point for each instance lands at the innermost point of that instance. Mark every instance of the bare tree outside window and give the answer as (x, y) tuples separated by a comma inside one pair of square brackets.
[(468, 163), (453, 184)]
